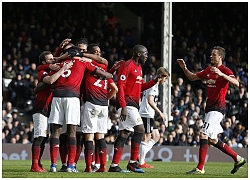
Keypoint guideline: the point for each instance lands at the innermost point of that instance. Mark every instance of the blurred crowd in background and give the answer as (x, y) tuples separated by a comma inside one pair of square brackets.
[(35, 28)]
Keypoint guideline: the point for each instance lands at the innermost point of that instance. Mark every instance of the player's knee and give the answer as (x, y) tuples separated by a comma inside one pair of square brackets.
[(124, 133), (212, 141), (139, 128), (156, 137), (203, 136), (38, 141)]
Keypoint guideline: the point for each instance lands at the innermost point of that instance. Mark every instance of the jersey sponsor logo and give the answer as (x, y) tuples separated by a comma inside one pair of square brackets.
[(123, 77), (211, 81)]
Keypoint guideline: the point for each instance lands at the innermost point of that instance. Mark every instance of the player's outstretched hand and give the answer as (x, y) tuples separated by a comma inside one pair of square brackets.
[(181, 63), (116, 66)]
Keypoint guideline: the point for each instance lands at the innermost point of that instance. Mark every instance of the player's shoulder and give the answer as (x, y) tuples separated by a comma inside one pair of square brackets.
[(225, 69), (127, 63)]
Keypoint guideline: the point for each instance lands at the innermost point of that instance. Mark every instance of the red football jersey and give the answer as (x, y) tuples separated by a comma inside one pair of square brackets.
[(68, 84), (43, 98), (96, 88), (216, 88), (130, 84)]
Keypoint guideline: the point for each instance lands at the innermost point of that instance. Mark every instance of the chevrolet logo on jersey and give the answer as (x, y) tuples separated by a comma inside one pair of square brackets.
[(211, 81)]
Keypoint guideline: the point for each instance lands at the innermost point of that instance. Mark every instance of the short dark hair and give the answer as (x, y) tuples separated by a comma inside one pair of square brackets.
[(82, 40), (138, 48), (42, 56), (90, 46), (221, 51)]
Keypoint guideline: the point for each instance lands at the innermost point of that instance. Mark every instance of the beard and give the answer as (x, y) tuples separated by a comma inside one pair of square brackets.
[(141, 61)]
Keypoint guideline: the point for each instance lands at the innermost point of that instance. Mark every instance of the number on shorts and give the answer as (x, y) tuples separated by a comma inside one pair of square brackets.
[(205, 125)]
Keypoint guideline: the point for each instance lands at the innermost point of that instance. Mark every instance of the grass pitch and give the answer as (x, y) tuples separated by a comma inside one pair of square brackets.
[(21, 169)]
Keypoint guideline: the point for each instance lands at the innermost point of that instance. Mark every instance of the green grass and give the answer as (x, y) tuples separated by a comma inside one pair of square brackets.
[(21, 169)]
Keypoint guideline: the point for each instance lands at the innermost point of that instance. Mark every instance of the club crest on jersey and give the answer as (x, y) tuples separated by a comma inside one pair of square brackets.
[(216, 76), (139, 78), (138, 119)]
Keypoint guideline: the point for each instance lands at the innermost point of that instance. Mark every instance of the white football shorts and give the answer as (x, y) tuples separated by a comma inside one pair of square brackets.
[(211, 125), (65, 110), (41, 126), (133, 119), (95, 118)]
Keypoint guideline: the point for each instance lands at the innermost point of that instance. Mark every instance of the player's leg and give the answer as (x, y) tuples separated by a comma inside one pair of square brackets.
[(88, 151), (63, 148), (55, 120), (238, 160), (72, 119), (213, 121), (143, 148), (54, 146), (101, 153), (71, 147), (147, 143), (40, 135), (118, 150), (135, 121), (41, 152), (89, 127), (95, 158), (79, 146), (210, 128), (125, 128), (101, 146)]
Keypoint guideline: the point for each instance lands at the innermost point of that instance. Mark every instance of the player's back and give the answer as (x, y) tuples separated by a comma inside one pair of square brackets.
[(96, 88), (68, 84)]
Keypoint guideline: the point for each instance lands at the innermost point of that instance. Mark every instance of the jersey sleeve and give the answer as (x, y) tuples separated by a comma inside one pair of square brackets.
[(89, 66), (146, 85), (121, 82), (43, 67), (203, 74), (41, 75), (110, 81), (58, 52)]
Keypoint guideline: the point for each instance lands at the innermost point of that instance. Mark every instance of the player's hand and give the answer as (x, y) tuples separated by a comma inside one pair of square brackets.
[(65, 42), (163, 116), (67, 65), (116, 66), (123, 114), (54, 67), (216, 70), (182, 63)]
